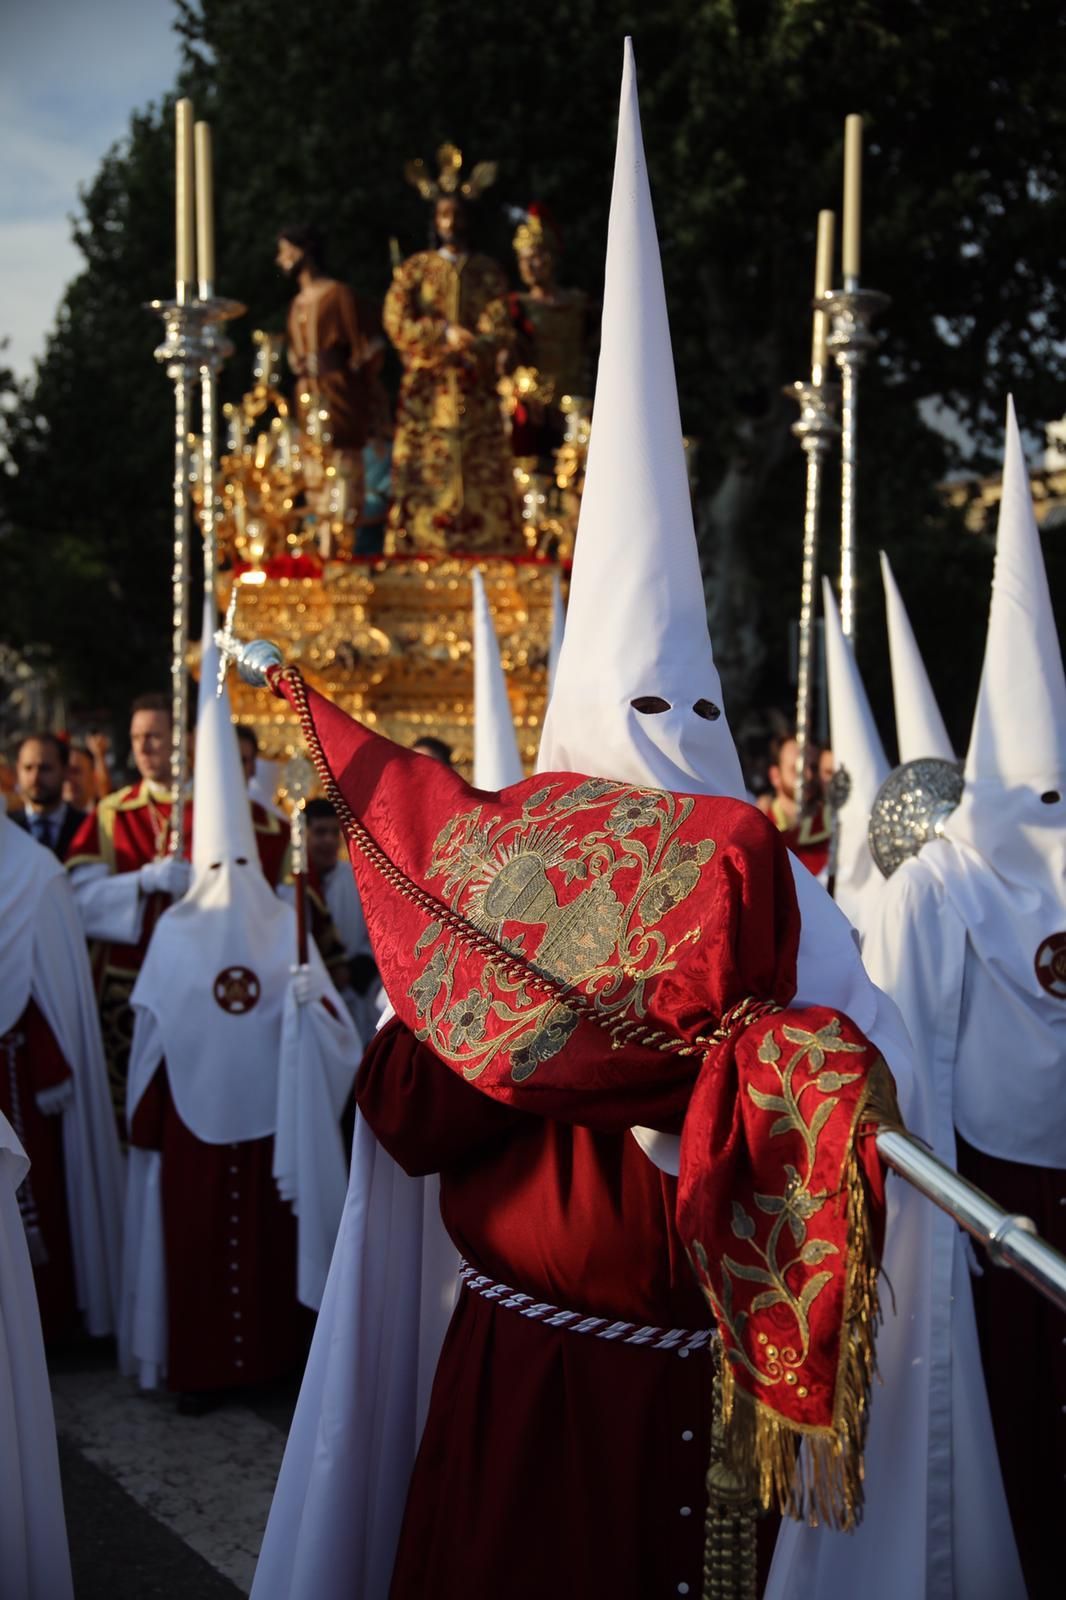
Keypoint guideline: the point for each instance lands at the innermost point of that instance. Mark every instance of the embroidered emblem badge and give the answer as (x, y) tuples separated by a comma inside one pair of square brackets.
[(1051, 965), (237, 990)]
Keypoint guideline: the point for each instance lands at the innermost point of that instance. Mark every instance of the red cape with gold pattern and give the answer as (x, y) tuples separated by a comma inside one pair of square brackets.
[(576, 936)]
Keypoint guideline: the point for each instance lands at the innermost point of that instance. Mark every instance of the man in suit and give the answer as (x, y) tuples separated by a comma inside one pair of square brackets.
[(41, 768)]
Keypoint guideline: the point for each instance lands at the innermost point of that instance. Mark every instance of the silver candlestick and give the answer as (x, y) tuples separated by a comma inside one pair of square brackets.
[(216, 350), (182, 354), (816, 429), (851, 311)]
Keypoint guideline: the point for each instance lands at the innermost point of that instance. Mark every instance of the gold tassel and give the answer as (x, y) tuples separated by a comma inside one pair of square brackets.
[(729, 1550)]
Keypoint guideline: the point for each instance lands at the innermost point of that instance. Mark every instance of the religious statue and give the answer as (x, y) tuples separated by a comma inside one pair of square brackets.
[(446, 313), (334, 356), (551, 327)]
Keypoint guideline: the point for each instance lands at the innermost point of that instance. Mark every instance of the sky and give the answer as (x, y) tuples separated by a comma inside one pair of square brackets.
[(71, 72)]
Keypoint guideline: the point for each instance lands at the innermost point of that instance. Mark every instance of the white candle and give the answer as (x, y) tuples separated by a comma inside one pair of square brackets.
[(823, 282), (852, 199), (185, 220), (205, 211)]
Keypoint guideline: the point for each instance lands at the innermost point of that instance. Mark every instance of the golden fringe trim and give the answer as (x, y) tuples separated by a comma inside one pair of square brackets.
[(813, 1474)]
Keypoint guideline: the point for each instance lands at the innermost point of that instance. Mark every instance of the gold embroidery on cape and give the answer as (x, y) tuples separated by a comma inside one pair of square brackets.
[(495, 873)]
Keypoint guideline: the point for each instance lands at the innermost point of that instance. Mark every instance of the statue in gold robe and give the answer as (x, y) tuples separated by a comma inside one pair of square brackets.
[(447, 315)]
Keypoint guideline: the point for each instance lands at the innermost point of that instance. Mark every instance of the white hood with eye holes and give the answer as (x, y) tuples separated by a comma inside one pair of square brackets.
[(1002, 860), (636, 624), (217, 970)]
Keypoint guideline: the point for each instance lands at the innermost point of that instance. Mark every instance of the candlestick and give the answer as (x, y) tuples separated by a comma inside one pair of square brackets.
[(205, 212), (852, 200), (184, 213), (851, 312), (816, 429), (823, 282)]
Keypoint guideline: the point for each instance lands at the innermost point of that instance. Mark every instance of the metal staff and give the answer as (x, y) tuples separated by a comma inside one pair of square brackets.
[(816, 429), (852, 310), (298, 780), (216, 347), (181, 353)]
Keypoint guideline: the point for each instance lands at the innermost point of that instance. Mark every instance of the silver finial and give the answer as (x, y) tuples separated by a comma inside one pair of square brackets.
[(911, 808)]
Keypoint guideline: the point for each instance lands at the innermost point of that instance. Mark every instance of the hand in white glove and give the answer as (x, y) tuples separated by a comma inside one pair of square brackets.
[(301, 985), (169, 876)]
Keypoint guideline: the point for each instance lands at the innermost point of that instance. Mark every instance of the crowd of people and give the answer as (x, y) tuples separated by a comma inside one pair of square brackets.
[(569, 1080)]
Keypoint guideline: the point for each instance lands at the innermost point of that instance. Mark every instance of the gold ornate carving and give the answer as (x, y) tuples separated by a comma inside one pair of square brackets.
[(391, 642)]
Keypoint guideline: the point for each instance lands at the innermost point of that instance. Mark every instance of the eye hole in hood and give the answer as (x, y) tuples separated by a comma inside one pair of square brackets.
[(650, 705), (707, 710)]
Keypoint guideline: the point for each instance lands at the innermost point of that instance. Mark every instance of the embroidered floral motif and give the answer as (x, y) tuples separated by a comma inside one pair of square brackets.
[(467, 1018), (577, 886), (804, 1107)]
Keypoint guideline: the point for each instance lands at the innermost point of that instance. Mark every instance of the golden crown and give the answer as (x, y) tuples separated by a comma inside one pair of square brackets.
[(449, 180), (535, 230)]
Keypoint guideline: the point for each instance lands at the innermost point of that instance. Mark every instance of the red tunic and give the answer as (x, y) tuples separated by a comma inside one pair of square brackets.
[(31, 1063), (230, 1240), (547, 1450)]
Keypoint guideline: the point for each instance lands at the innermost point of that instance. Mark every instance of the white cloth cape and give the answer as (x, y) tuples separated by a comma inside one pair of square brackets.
[(43, 957), (221, 1065), (953, 1538), (34, 1559), (335, 1519)]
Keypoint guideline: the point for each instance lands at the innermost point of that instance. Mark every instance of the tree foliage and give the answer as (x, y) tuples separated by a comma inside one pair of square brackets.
[(743, 101)]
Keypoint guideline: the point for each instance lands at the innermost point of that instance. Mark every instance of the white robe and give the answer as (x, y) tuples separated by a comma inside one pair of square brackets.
[(43, 957), (936, 1523), (34, 1560)]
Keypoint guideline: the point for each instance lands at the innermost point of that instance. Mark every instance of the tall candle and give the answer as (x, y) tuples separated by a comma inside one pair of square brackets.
[(852, 198), (205, 212), (823, 282), (184, 189)]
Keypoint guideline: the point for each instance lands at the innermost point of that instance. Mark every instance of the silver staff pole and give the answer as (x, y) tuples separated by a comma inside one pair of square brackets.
[(181, 353), (1010, 1240)]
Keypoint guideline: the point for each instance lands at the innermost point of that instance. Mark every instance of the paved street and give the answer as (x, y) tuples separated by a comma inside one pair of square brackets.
[(161, 1506)]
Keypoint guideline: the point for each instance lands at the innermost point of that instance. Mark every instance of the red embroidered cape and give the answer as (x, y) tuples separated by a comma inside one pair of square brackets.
[(577, 936)]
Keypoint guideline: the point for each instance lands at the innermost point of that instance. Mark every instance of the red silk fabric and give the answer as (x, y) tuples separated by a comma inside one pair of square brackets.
[(576, 941)]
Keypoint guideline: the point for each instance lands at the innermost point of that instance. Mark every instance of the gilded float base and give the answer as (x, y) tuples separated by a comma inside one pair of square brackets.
[(389, 640)]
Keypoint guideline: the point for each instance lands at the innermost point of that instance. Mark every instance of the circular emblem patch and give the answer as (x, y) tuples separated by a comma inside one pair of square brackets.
[(1051, 965), (237, 990)]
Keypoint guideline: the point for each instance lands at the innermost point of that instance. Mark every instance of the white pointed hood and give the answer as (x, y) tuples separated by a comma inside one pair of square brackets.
[(856, 747), (920, 730), (217, 969), (497, 763), (636, 626), (222, 818), (1002, 860), (1019, 726)]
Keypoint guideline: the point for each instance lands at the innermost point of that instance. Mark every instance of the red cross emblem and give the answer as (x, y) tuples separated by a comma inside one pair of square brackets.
[(237, 990), (1051, 965)]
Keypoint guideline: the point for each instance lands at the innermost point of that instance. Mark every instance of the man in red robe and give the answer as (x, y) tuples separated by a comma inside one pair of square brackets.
[(565, 1445)]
